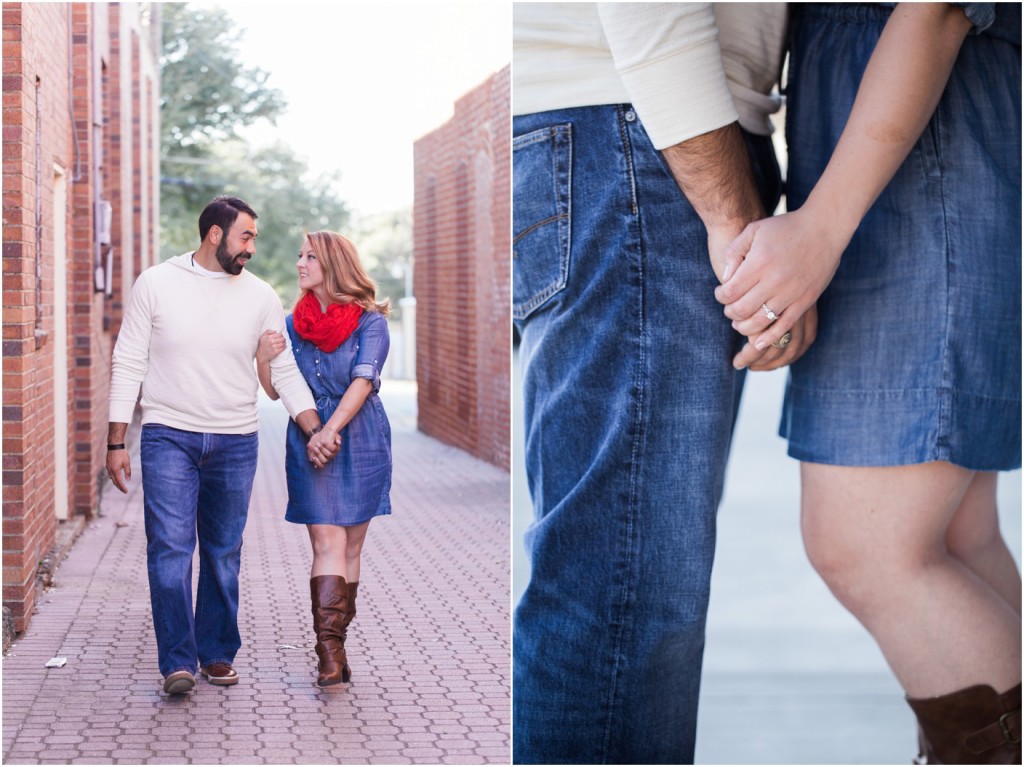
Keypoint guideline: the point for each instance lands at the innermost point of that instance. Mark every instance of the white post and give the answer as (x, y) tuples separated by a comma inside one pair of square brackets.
[(408, 305)]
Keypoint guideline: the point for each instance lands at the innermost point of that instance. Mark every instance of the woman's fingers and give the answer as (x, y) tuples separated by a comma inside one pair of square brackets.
[(759, 317), (735, 252), (784, 348)]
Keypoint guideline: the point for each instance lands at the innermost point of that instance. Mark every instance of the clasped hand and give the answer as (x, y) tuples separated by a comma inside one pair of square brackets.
[(781, 264), (323, 446)]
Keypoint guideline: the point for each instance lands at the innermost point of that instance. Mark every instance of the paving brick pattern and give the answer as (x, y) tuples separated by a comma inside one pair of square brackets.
[(429, 648)]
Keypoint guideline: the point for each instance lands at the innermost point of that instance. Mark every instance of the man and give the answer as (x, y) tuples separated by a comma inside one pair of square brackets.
[(630, 170), (189, 338)]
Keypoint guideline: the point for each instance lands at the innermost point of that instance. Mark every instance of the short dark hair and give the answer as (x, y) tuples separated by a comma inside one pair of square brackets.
[(222, 211)]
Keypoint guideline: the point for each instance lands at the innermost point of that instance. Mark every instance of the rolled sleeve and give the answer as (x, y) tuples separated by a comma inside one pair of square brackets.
[(981, 15), (670, 62), (374, 343)]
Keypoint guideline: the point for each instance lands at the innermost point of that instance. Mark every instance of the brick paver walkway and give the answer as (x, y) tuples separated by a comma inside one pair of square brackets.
[(429, 648)]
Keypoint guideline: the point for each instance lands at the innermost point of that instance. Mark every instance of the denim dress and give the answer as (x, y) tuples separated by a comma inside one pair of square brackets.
[(918, 355), (355, 485)]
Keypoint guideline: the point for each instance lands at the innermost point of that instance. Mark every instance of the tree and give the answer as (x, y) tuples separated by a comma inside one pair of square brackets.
[(207, 96), (384, 242), (290, 201)]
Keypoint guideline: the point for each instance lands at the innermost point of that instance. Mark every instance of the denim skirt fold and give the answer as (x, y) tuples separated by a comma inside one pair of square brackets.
[(918, 356)]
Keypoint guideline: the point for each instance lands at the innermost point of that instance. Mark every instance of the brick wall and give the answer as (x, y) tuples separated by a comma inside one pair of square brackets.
[(56, 136), (461, 246), (35, 50)]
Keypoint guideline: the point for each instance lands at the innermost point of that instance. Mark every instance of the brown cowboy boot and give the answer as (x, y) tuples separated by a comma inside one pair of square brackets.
[(975, 725), (329, 594)]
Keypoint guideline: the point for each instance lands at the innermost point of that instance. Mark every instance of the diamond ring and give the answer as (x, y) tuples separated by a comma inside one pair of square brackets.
[(772, 316)]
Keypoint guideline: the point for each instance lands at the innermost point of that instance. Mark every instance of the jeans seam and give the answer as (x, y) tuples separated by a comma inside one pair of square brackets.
[(628, 154), (639, 383)]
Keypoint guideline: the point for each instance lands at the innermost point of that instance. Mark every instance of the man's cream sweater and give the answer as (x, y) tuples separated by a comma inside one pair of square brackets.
[(189, 339), (687, 68)]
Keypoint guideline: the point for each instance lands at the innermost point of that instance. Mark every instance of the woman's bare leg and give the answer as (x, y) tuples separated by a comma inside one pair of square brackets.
[(973, 537), (878, 538)]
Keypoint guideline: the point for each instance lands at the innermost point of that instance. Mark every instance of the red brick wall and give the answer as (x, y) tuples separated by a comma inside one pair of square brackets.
[(35, 40), (37, 48), (461, 245)]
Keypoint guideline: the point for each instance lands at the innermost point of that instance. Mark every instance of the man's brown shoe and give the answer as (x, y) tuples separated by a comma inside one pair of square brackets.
[(220, 673), (179, 683)]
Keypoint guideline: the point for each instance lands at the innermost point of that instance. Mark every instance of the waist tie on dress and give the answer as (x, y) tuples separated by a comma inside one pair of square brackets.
[(325, 402)]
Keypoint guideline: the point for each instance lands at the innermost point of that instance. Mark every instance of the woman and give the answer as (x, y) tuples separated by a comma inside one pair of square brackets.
[(909, 402), (339, 336)]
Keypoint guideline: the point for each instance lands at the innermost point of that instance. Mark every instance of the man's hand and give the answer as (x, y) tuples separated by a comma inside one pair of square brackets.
[(119, 464), (713, 171)]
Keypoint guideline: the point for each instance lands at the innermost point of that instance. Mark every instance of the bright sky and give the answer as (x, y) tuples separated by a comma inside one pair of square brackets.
[(363, 81)]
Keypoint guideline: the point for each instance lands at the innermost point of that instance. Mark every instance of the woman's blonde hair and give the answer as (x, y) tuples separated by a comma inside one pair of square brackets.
[(345, 280)]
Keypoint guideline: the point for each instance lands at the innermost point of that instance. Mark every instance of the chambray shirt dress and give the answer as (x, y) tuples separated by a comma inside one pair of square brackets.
[(355, 485), (918, 355)]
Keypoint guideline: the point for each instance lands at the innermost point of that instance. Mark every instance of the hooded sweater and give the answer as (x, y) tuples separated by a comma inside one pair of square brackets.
[(189, 340)]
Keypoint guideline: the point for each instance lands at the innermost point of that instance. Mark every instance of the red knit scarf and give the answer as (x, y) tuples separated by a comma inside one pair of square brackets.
[(327, 330)]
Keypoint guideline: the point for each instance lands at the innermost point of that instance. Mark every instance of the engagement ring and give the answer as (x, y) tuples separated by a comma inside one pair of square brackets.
[(772, 316)]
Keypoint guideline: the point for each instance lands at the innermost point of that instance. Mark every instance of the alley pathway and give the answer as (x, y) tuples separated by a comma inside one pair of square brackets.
[(429, 647)]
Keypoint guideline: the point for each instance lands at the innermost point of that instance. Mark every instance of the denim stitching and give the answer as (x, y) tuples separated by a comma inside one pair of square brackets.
[(538, 225), (639, 384), (521, 310), (945, 395)]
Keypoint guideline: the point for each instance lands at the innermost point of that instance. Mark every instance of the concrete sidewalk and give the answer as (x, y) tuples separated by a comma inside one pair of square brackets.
[(429, 648), (789, 676)]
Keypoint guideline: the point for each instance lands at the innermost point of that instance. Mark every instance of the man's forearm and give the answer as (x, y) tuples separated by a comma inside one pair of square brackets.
[(713, 170), (307, 421), (116, 433)]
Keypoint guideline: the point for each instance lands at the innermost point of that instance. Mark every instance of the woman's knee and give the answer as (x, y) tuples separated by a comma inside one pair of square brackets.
[(327, 544), (353, 550), (973, 533), (971, 544), (836, 560)]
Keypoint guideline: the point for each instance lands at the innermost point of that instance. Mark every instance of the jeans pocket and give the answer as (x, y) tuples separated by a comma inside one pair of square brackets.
[(541, 216)]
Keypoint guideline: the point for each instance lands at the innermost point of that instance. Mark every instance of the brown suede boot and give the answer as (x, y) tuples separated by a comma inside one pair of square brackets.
[(329, 594), (975, 725)]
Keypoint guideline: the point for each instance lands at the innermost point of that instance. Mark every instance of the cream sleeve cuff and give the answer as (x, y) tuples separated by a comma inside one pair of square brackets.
[(668, 57)]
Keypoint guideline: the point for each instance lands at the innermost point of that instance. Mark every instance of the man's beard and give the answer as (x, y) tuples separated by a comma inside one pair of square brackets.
[(229, 263)]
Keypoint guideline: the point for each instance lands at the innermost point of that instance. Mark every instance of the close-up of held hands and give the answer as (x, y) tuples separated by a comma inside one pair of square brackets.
[(773, 274), (323, 446)]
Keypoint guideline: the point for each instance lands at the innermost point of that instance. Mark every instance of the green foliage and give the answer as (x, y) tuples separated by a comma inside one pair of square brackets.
[(207, 96), (384, 242)]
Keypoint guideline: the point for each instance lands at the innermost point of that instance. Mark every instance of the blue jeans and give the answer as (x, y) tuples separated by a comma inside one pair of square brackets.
[(195, 485), (630, 399)]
